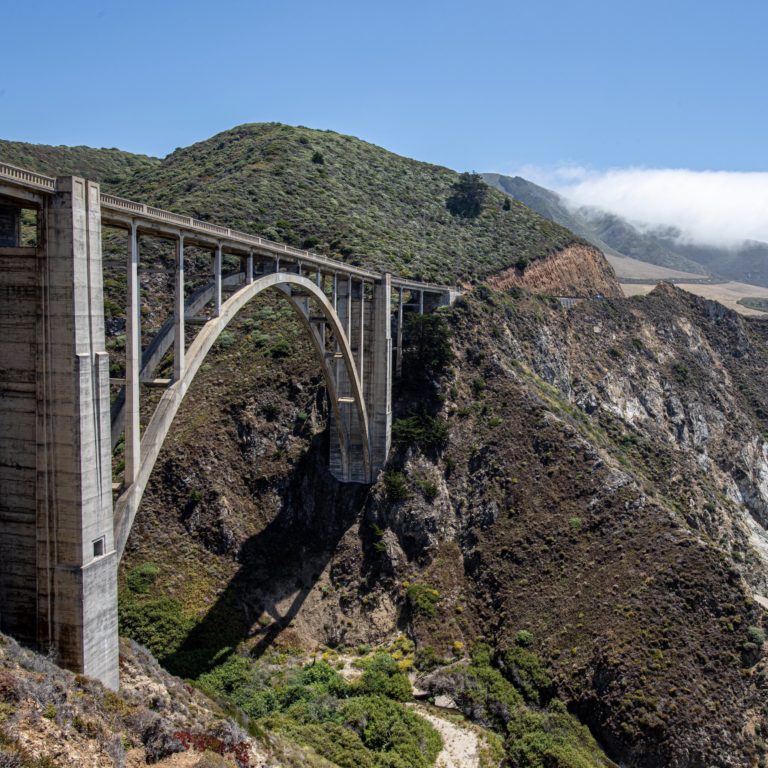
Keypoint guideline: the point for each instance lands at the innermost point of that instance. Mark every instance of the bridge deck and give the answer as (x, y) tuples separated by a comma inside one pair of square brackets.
[(120, 212)]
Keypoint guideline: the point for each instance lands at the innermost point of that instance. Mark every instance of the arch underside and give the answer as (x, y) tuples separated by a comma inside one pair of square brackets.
[(349, 412)]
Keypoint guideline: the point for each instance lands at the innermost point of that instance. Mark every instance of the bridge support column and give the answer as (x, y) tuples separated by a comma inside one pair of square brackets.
[(378, 388), (399, 352), (132, 361), (346, 459), (217, 281), (76, 559), (179, 338)]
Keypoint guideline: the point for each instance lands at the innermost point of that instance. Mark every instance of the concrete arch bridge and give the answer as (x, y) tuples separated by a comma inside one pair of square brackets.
[(62, 531)]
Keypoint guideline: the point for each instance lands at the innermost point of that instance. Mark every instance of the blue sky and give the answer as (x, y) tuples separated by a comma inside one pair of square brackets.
[(485, 85)]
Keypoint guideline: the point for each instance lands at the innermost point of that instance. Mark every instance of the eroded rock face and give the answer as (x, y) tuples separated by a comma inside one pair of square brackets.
[(575, 271)]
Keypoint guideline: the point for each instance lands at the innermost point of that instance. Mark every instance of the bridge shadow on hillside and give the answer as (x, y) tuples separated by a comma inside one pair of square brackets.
[(279, 566)]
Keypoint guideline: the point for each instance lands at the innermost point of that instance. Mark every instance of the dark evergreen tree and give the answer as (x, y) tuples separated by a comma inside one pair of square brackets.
[(467, 196)]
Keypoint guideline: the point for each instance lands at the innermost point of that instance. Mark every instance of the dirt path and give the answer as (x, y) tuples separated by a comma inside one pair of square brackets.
[(461, 745)]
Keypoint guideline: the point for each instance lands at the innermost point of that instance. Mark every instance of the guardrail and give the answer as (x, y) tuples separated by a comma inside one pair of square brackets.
[(150, 213), (28, 178)]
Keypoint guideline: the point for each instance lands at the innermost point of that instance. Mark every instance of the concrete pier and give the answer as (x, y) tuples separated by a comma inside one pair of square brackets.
[(58, 567)]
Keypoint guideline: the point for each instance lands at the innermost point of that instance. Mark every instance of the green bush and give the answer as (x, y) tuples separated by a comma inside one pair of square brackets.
[(427, 432), (480, 690), (226, 339), (383, 677), (427, 659), (142, 577), (680, 372), (527, 671), (271, 411), (524, 638), (551, 739), (352, 725), (755, 635), (159, 625), (398, 735), (428, 488), (423, 599), (279, 350), (396, 486)]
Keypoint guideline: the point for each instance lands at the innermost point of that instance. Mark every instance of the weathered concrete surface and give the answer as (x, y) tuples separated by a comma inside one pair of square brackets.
[(57, 560)]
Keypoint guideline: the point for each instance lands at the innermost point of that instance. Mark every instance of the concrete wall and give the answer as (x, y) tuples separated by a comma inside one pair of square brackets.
[(58, 567), (19, 309)]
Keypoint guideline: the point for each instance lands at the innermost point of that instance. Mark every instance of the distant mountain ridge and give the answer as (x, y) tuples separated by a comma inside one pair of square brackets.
[(612, 234), (616, 236)]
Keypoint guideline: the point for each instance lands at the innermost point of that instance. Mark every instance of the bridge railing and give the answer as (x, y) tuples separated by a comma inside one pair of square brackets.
[(28, 178)]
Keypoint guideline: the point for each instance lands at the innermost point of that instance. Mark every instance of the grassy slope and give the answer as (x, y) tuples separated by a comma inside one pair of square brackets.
[(109, 166), (361, 203)]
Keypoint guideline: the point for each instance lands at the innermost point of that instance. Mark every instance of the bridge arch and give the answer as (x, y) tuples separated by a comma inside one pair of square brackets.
[(154, 436)]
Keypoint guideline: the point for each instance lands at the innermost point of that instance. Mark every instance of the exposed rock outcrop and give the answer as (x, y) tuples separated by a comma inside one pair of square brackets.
[(576, 271)]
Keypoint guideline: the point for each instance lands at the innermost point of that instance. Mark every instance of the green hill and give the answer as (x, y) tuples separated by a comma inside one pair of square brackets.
[(345, 198)]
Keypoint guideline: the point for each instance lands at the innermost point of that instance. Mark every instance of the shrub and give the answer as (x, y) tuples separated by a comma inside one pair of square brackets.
[(680, 372), (527, 671), (755, 635), (383, 677), (422, 430), (142, 577), (226, 339), (428, 488), (552, 738), (391, 730), (317, 158), (524, 638), (575, 523), (160, 625), (480, 691), (279, 350), (522, 263), (423, 599), (396, 486), (428, 659), (270, 411)]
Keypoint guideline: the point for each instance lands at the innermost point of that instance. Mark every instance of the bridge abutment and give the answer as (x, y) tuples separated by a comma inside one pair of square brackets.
[(62, 593)]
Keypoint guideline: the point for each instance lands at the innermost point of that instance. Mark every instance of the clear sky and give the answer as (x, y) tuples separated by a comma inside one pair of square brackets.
[(486, 85)]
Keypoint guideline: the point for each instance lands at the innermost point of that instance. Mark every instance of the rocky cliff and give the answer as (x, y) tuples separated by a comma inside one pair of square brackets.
[(601, 488), (575, 271)]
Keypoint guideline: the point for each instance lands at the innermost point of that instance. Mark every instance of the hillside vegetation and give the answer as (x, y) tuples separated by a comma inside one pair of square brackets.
[(109, 166), (346, 198)]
